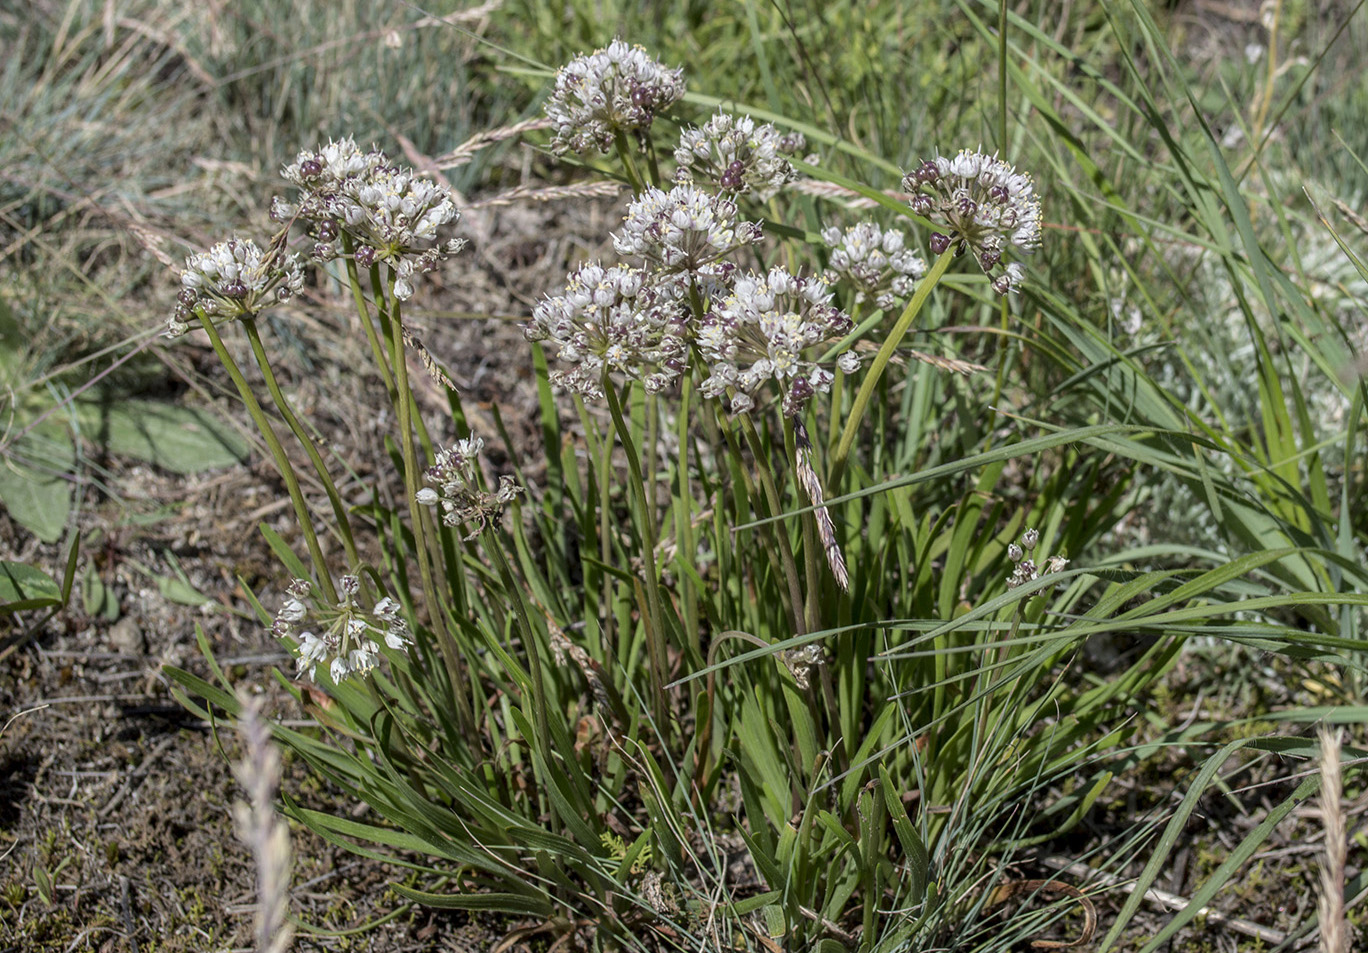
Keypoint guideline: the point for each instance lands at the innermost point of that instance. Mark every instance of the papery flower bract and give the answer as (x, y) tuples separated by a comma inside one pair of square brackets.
[(234, 279), (985, 205), (685, 231), (876, 261), (736, 155), (614, 320), (761, 331), (342, 636), (615, 89), (456, 474)]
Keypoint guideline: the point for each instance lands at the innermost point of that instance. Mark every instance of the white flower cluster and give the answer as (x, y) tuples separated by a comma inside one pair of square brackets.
[(391, 213), (737, 155), (612, 90), (876, 261), (234, 279), (611, 319), (762, 330), (985, 205), (685, 231), (456, 475), (1026, 569), (343, 636)]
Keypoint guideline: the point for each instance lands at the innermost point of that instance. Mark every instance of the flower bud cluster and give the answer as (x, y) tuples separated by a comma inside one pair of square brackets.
[(343, 636), (685, 231), (1026, 569), (234, 279), (984, 205), (876, 261), (762, 330), (456, 474), (736, 155), (612, 319), (614, 90), (390, 213)]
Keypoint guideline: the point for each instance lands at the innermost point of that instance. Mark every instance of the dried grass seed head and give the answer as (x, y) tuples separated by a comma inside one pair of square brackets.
[(614, 320), (762, 330), (876, 261), (234, 279), (984, 205), (685, 232), (340, 636), (737, 155), (615, 89)]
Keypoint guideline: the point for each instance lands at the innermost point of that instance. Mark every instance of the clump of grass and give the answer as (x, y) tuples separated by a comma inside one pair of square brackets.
[(773, 651)]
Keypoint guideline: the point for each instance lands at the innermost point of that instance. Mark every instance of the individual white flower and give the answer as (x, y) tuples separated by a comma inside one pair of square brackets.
[(685, 231), (342, 636), (875, 261), (736, 155), (616, 89), (456, 474), (614, 320), (762, 331), (234, 279), (984, 204)]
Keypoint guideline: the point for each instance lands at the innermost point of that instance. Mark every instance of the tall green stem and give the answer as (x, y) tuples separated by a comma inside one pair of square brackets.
[(421, 536), (283, 405), (282, 461), (876, 369), (655, 631)]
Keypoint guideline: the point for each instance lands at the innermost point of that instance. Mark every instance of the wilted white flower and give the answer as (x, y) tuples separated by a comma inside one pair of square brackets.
[(342, 636), (736, 155), (456, 474), (985, 206), (684, 231), (232, 280), (762, 330), (612, 90), (876, 261), (613, 319)]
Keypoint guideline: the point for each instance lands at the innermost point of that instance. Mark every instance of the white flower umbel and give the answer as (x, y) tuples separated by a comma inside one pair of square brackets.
[(762, 330), (340, 637), (734, 154), (685, 231), (875, 261), (612, 90), (456, 476), (614, 320), (391, 213), (234, 279), (985, 206)]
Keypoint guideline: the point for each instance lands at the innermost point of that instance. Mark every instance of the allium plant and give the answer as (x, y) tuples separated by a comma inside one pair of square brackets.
[(682, 639)]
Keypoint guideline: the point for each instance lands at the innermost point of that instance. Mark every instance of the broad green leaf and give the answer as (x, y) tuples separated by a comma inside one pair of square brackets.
[(34, 482), (26, 587), (180, 439)]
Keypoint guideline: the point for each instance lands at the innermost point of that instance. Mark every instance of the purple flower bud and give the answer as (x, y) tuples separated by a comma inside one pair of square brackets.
[(187, 297), (989, 257), (236, 289), (310, 168), (939, 243), (327, 230), (365, 256), (999, 194)]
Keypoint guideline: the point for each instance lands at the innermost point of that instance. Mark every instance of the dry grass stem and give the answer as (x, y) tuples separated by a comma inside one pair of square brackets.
[(812, 486), (262, 830), (553, 194), (1334, 927), (466, 151)]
